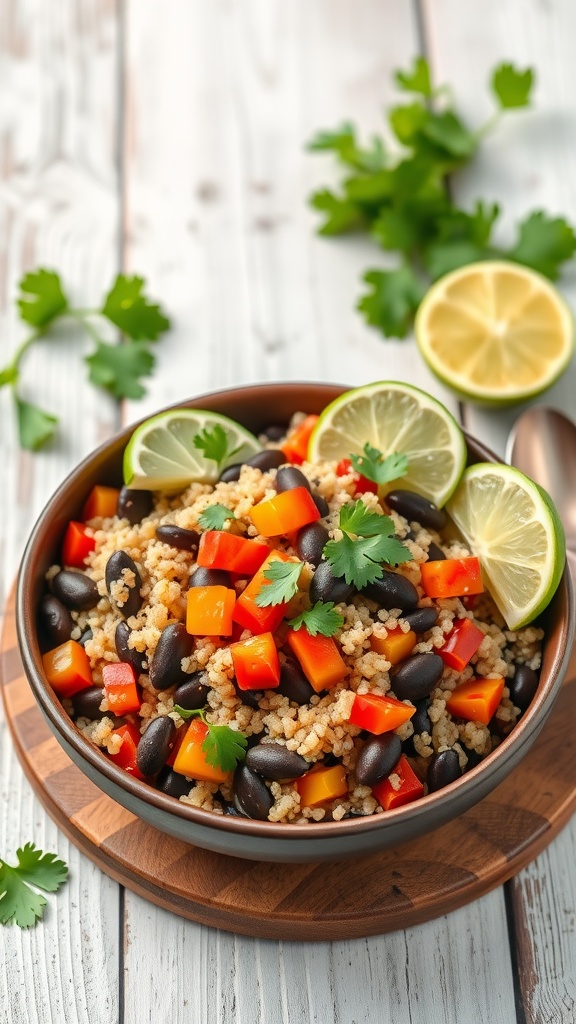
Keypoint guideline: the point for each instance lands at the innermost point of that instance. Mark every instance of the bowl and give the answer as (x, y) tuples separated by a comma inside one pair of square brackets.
[(255, 407)]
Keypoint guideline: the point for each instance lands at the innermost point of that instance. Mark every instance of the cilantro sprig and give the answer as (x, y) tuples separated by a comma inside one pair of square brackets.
[(321, 618), (43, 304), (214, 442), (19, 902), (215, 517), (283, 585), (368, 540), (374, 466), (223, 746), (403, 199)]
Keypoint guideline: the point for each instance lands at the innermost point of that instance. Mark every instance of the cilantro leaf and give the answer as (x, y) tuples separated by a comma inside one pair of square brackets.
[(442, 257), (214, 517), (223, 746), (417, 79), (128, 308), (35, 427), (9, 375), (42, 298), (340, 214), (512, 88), (356, 518), (214, 442), (283, 583), (374, 466), (406, 121), (392, 301), (321, 618), (544, 243), (342, 142), (368, 540), (20, 903), (117, 368)]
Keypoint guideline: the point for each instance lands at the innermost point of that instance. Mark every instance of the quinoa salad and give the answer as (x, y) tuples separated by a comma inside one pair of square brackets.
[(399, 695)]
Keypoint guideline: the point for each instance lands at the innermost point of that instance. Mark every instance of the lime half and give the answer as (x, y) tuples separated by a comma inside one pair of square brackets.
[(395, 417), (162, 456), (513, 527)]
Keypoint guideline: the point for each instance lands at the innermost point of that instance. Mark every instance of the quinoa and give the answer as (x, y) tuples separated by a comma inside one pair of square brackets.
[(319, 730)]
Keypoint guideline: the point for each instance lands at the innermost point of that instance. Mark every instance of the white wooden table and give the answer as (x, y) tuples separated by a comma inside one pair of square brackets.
[(168, 139)]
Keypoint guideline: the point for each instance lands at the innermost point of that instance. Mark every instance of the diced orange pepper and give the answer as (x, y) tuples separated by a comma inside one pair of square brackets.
[(461, 644), (256, 663), (191, 759), (410, 787), (395, 646), (101, 503), (219, 550), (476, 700), (319, 657), (77, 544), (250, 615), (295, 447), (67, 668), (209, 611), (121, 688), (287, 511), (322, 784), (379, 714), (452, 577), (126, 757)]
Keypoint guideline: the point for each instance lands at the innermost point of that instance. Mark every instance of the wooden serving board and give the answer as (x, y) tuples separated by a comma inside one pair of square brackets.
[(394, 889)]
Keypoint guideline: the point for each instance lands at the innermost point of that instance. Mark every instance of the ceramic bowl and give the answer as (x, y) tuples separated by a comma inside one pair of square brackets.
[(255, 407)]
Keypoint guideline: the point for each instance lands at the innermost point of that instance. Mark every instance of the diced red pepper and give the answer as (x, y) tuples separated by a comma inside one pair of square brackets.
[(410, 788), (452, 577), (250, 615), (461, 644), (121, 688), (126, 756), (220, 550), (77, 545), (379, 714), (287, 511), (101, 503), (209, 611), (319, 657), (191, 759), (321, 784), (295, 447), (476, 700), (256, 663), (361, 483), (67, 668), (395, 646)]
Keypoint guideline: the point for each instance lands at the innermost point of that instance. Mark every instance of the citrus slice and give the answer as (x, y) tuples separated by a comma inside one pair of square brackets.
[(161, 454), (495, 332), (513, 528), (395, 417)]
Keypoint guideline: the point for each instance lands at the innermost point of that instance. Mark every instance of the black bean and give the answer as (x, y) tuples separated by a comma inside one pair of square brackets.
[(310, 542), (416, 676), (85, 637), (392, 590), (275, 431), (192, 694), (231, 810), (435, 554), (474, 758), (172, 783), (269, 458), (274, 761), (75, 590), (203, 577), (54, 621), (294, 684), (231, 473), (321, 503), (421, 619), (325, 586), (377, 758), (155, 745), (251, 795), (133, 505), (174, 645), (417, 509), (289, 477), (421, 721), (523, 686), (126, 653), (117, 564), (87, 703), (443, 768), (178, 537), (251, 698)]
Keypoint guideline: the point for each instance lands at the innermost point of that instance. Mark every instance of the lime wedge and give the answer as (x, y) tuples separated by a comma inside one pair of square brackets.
[(161, 454), (395, 417), (513, 528)]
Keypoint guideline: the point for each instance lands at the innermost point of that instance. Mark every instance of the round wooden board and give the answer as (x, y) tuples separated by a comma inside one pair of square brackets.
[(393, 889)]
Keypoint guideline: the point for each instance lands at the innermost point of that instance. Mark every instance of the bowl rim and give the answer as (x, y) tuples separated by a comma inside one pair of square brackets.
[(64, 726)]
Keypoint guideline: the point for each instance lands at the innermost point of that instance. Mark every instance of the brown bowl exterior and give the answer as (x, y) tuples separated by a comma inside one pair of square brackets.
[(256, 406)]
